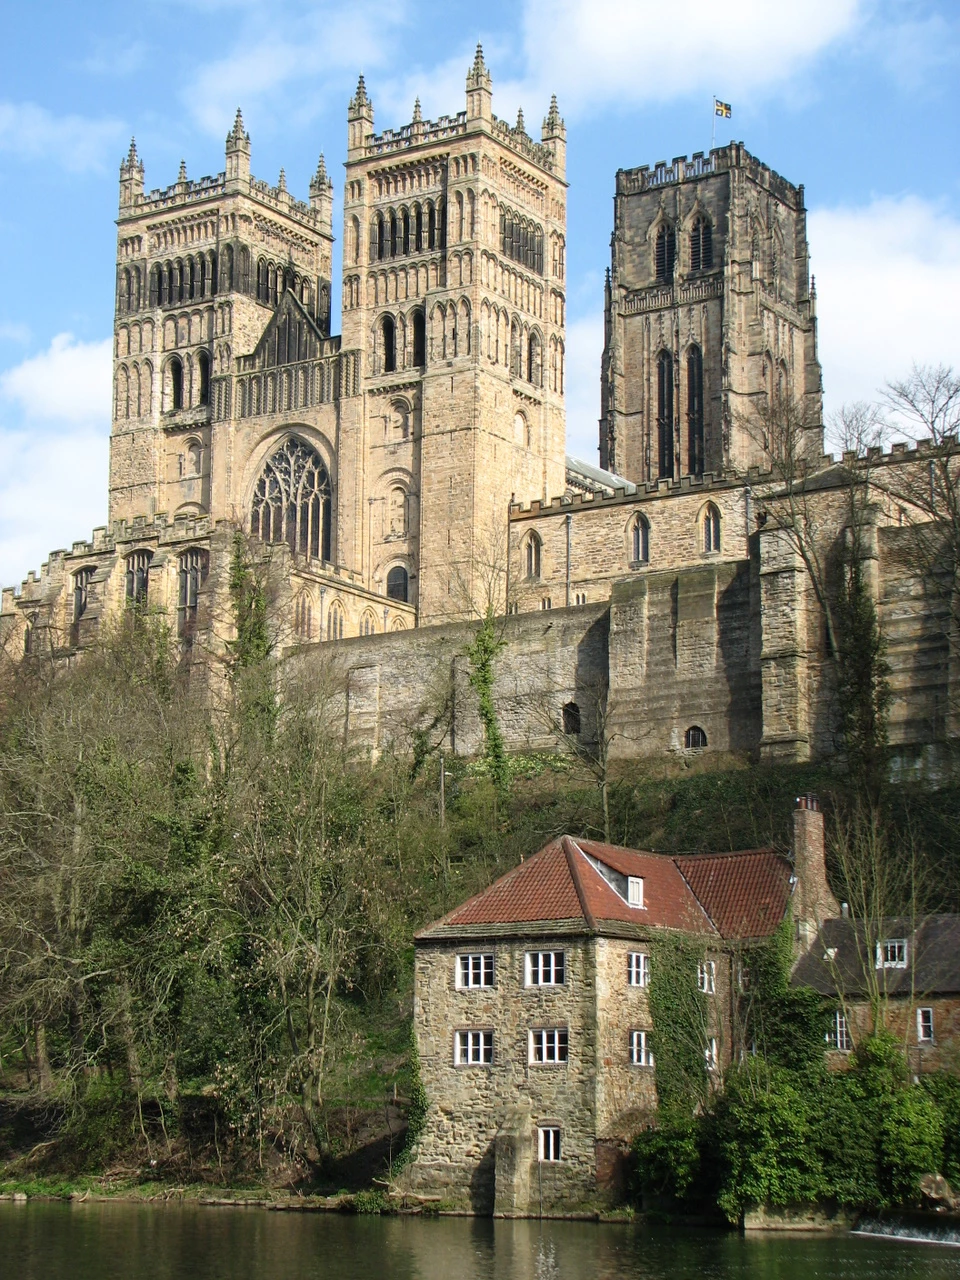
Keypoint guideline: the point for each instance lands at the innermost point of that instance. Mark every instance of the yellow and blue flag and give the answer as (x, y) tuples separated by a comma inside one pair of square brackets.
[(721, 108)]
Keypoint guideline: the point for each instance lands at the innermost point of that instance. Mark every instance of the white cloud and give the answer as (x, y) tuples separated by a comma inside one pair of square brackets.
[(69, 382), (593, 52), (320, 54), (53, 490), (77, 143), (888, 277)]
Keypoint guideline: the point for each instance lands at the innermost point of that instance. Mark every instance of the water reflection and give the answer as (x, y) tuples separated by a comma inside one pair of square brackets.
[(110, 1242)]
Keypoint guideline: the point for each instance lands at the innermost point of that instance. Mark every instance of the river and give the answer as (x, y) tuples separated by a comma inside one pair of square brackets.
[(49, 1241)]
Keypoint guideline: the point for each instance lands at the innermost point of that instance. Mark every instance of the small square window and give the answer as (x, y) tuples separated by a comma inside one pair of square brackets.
[(892, 953), (707, 977), (544, 969), (473, 1048), (640, 1053), (549, 1045), (635, 891), (638, 969), (548, 1145), (475, 970), (924, 1026)]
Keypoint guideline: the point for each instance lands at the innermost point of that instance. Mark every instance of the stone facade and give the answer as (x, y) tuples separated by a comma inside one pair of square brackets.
[(410, 471)]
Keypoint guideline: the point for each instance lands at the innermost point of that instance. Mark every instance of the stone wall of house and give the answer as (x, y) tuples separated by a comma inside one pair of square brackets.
[(468, 1105)]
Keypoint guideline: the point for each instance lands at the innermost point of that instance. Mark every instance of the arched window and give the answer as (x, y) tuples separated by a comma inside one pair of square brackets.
[(711, 528), (665, 414), (193, 458), (303, 616), (389, 333), (419, 339), (291, 502), (397, 512), (137, 577), (534, 361), (431, 227), (534, 546), (192, 570), (28, 636), (695, 411), (368, 624), (701, 245), (226, 270), (571, 719), (155, 286), (203, 365), (81, 589), (640, 541), (665, 255), (335, 621), (418, 229), (694, 739), (176, 384), (398, 583), (405, 227), (521, 430), (393, 234), (244, 269)]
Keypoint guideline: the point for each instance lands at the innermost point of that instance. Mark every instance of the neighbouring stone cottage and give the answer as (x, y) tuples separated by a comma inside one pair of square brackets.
[(532, 1017)]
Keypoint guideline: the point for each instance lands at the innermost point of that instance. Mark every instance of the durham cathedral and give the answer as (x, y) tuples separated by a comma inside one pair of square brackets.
[(409, 473)]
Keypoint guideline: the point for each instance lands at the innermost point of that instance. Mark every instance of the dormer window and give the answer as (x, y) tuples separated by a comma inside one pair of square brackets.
[(892, 953), (635, 891)]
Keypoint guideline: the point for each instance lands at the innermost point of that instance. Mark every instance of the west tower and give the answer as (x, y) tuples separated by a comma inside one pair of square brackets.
[(453, 300), (202, 269), (708, 306)]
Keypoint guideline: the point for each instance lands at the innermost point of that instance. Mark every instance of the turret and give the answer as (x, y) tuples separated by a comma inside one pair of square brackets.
[(554, 137), (479, 89), (131, 178), (321, 196), (359, 122), (238, 152)]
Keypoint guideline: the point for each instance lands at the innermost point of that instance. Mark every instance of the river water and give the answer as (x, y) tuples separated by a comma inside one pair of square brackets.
[(109, 1241)]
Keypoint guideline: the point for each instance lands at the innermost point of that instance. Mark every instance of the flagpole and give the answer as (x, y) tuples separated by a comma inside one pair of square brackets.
[(713, 135)]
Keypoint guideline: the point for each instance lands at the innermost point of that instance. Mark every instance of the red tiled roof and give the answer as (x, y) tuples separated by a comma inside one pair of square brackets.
[(744, 894), (559, 883)]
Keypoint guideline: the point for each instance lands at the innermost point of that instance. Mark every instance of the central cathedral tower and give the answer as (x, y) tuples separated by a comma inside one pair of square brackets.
[(453, 303)]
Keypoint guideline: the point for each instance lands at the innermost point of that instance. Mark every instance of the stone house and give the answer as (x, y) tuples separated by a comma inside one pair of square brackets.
[(532, 1017), (906, 969)]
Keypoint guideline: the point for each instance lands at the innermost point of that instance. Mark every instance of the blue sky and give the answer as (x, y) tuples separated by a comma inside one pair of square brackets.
[(857, 99)]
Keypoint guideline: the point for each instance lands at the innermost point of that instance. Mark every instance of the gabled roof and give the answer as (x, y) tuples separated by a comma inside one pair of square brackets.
[(837, 961), (571, 886), (745, 894)]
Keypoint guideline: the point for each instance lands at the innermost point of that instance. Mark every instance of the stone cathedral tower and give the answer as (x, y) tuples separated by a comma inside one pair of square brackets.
[(709, 305), (453, 296)]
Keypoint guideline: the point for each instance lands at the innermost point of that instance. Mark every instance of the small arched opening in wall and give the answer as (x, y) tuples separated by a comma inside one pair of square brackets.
[(335, 621), (388, 335), (639, 535), (173, 385), (571, 719), (710, 529), (695, 739), (419, 338), (203, 367), (398, 584), (532, 555)]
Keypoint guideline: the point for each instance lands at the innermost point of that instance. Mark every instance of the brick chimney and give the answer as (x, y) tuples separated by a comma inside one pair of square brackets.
[(813, 901)]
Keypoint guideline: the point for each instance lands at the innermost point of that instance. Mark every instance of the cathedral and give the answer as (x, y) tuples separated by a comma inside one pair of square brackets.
[(410, 472)]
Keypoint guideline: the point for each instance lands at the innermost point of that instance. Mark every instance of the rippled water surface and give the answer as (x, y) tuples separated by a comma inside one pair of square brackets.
[(106, 1242)]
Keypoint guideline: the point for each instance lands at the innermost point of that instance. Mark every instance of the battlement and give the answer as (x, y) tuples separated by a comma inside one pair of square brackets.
[(515, 137), (185, 192), (700, 165), (417, 133)]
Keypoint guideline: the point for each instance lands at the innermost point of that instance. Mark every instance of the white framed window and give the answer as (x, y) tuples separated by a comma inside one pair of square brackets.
[(710, 1053), (640, 1052), (548, 1144), (707, 977), (544, 969), (638, 969), (924, 1026), (473, 1048), (635, 891), (548, 1045), (838, 1037), (892, 953), (475, 969)]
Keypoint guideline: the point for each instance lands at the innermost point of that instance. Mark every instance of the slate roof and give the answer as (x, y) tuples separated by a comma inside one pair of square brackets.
[(933, 958), (561, 889)]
